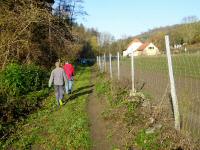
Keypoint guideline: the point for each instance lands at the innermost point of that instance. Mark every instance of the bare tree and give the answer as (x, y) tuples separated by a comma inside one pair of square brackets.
[(190, 19), (190, 29)]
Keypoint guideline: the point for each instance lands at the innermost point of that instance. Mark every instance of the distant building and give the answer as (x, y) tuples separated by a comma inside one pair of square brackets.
[(139, 48), (148, 49), (133, 46)]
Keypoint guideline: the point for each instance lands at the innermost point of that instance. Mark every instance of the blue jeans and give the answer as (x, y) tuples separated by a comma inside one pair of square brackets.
[(68, 86)]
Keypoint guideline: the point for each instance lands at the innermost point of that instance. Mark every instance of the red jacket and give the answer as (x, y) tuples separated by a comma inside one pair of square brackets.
[(69, 70)]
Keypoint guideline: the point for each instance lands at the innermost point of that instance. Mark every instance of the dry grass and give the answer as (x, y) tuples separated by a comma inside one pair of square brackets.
[(133, 117)]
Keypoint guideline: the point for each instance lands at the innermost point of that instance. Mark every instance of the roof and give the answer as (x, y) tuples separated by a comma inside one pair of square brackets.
[(135, 40), (143, 46)]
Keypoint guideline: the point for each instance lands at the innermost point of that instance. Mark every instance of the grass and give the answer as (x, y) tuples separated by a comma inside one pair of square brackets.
[(49, 128), (133, 118), (101, 87), (147, 141), (183, 64)]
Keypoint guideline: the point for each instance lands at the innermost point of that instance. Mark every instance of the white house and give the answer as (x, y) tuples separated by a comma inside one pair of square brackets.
[(148, 49), (133, 46), (140, 48)]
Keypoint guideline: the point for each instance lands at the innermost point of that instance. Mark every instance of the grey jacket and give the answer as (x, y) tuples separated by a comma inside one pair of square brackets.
[(58, 77)]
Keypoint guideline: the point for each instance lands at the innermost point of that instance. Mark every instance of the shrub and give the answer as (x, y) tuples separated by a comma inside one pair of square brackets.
[(17, 80), (21, 91)]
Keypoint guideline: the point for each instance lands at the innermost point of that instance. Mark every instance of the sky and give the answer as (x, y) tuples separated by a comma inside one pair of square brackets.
[(123, 18)]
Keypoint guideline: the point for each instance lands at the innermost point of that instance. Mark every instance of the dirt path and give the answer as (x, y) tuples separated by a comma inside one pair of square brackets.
[(98, 126)]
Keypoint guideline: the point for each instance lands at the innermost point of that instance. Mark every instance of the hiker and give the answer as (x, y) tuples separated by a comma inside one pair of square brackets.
[(58, 78), (69, 70)]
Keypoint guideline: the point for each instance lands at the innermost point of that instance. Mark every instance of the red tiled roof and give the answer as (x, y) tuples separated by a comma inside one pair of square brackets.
[(143, 46), (135, 40)]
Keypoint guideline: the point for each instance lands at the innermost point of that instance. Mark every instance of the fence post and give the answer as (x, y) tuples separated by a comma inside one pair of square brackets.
[(118, 66), (172, 84), (110, 58), (97, 60), (99, 63), (132, 72), (104, 62)]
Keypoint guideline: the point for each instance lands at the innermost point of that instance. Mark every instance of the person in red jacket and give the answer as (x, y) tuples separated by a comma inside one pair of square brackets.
[(69, 70)]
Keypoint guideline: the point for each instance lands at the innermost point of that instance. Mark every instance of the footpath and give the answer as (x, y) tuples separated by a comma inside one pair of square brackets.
[(98, 126)]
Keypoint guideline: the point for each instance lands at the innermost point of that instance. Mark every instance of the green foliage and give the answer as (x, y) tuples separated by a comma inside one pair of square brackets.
[(21, 92), (147, 141), (17, 80)]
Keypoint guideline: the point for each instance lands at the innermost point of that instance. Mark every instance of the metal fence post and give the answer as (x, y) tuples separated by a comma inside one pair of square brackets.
[(118, 66), (110, 58), (172, 83)]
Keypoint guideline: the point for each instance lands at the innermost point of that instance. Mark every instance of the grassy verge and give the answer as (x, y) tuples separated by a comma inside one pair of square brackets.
[(49, 128), (137, 122)]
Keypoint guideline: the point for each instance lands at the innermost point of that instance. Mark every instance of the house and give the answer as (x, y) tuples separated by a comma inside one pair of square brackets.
[(139, 48), (133, 46), (148, 49)]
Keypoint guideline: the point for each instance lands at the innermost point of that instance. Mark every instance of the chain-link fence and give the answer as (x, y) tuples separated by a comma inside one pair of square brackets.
[(151, 76)]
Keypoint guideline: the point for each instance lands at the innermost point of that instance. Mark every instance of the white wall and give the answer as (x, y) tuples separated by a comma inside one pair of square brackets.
[(132, 48), (149, 51)]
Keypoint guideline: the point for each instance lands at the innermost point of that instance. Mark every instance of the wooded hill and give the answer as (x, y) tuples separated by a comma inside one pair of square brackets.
[(186, 33), (32, 32)]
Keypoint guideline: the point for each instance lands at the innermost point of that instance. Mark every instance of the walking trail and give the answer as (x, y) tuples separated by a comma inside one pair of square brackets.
[(98, 126)]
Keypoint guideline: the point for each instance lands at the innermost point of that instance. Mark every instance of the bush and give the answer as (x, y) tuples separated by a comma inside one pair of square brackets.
[(21, 91), (19, 80)]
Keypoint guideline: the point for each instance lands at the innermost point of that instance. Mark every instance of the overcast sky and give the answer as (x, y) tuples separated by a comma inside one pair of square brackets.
[(131, 17)]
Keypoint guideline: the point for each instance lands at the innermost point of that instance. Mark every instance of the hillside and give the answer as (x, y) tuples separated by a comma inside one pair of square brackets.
[(187, 34)]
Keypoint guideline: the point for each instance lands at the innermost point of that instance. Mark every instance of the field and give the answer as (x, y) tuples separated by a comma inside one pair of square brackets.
[(184, 65), (151, 77)]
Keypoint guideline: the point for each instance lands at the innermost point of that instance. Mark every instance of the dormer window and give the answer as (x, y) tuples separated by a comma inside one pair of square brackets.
[(151, 47)]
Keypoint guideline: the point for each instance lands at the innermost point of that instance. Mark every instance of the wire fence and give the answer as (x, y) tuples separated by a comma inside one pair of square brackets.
[(151, 76)]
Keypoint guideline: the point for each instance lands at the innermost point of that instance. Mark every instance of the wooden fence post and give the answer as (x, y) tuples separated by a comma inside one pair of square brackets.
[(172, 83), (118, 66), (104, 62), (132, 72), (110, 58)]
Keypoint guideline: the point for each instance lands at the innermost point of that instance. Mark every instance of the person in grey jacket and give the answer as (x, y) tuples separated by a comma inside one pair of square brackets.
[(58, 78)]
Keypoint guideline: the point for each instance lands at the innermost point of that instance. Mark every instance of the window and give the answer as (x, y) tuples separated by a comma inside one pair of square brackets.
[(151, 47)]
